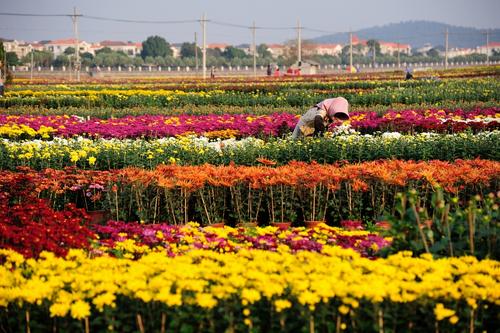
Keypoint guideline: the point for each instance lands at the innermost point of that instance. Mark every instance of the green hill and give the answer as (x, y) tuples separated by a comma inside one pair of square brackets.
[(418, 33)]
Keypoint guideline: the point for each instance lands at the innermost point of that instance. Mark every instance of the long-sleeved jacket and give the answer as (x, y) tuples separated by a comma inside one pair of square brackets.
[(313, 122)]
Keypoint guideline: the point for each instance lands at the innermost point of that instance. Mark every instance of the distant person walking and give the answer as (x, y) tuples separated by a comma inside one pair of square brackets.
[(2, 88), (277, 71), (409, 73), (269, 71)]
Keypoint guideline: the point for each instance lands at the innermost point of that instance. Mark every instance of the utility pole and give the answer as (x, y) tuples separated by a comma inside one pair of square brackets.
[(374, 51), (487, 47), (254, 47), (299, 42), (74, 18), (446, 50), (399, 63), (196, 52), (31, 76), (204, 49), (350, 51), (4, 65)]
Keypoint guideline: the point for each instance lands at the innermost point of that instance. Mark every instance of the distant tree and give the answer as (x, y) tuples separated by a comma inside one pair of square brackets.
[(233, 53), (155, 46), (374, 47), (61, 60), (433, 53), (2, 51), (149, 60), (216, 52), (357, 54), (263, 52), (104, 50), (40, 58), (137, 61), (6, 73), (87, 59), (187, 50), (69, 50), (171, 61), (160, 61), (12, 59)]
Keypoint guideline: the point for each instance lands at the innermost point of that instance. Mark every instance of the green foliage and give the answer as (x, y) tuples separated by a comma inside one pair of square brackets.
[(2, 53), (40, 58), (446, 226), (433, 53), (188, 50), (12, 59), (104, 50), (61, 60), (374, 45), (232, 52), (323, 150), (69, 50), (155, 46), (263, 52)]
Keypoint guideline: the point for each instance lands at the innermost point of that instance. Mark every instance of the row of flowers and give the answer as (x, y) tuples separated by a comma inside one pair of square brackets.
[(324, 83), (242, 125), (363, 77), (457, 90), (132, 240), (250, 290), (292, 193), (107, 154), (29, 225), (437, 225), (332, 82)]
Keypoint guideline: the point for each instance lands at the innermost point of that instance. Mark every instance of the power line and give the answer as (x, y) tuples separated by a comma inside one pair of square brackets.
[(228, 24), (42, 15), (100, 18)]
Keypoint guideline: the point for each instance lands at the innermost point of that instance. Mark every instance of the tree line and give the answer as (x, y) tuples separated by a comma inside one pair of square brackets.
[(156, 51)]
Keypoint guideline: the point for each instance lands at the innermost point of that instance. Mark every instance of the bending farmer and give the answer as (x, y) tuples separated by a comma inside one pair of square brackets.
[(316, 120)]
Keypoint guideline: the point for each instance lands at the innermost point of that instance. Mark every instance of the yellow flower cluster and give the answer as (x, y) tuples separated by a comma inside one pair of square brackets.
[(109, 92), (15, 131), (76, 284), (86, 150)]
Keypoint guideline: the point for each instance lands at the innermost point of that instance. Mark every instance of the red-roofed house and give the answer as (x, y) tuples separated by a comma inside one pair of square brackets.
[(59, 45), (129, 48), (327, 49), (392, 48), (20, 48), (456, 52), (360, 46), (492, 46), (220, 46), (276, 50), (357, 41)]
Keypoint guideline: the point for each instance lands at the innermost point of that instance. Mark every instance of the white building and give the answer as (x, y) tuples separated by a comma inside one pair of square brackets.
[(276, 50), (492, 46), (392, 48), (129, 48), (323, 49), (220, 46), (424, 49), (458, 52), (58, 46)]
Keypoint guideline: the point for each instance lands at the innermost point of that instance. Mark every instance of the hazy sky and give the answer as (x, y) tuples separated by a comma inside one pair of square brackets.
[(327, 15)]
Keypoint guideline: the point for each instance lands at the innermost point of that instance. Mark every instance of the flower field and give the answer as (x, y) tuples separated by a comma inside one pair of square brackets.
[(156, 205)]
